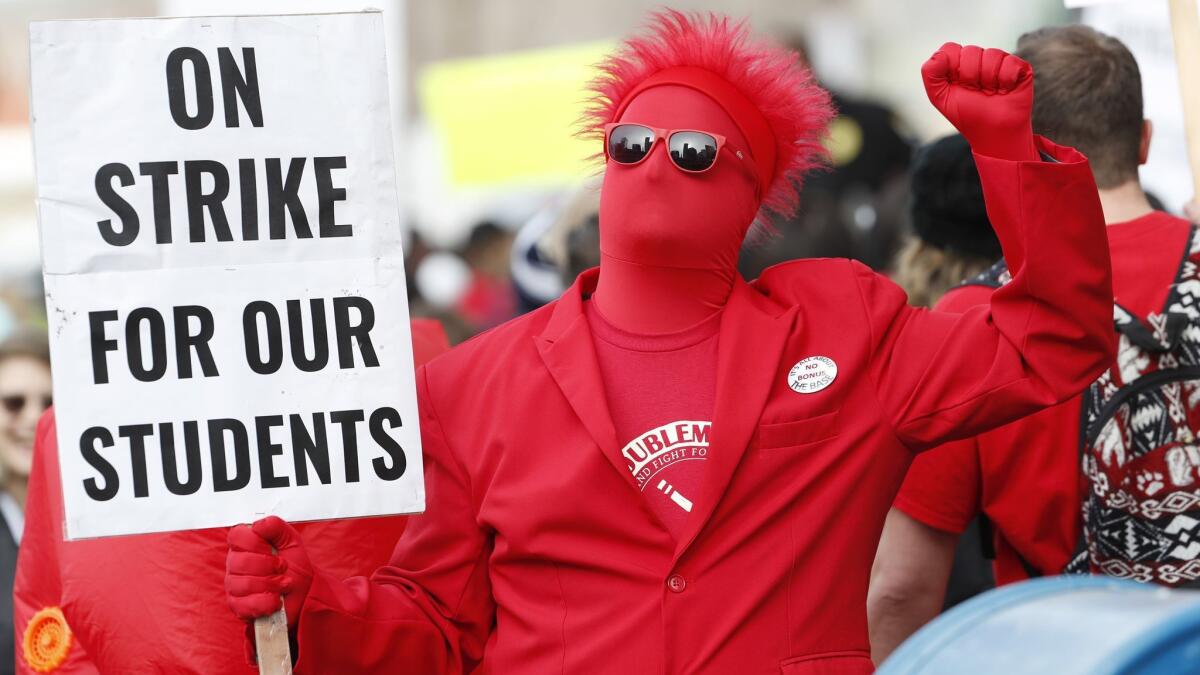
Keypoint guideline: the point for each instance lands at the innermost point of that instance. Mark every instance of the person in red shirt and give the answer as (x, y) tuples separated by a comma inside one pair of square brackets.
[(1025, 476), (669, 469), (152, 603)]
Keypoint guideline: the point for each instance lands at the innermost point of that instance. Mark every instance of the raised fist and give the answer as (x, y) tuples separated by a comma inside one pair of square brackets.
[(987, 94), (256, 575)]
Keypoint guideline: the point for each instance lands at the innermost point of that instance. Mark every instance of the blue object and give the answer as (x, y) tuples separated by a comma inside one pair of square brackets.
[(1060, 626)]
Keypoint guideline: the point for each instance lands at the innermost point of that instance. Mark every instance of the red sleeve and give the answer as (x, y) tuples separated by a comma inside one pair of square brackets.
[(428, 340), (429, 610), (959, 300), (1041, 339), (942, 486), (38, 583)]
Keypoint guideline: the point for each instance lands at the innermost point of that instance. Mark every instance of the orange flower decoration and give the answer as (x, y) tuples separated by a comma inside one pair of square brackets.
[(47, 640)]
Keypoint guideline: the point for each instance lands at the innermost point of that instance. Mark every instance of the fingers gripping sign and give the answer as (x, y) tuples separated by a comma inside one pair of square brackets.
[(267, 560), (987, 94)]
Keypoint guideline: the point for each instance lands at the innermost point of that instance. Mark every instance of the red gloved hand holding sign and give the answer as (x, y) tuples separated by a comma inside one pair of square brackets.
[(255, 575), (987, 94)]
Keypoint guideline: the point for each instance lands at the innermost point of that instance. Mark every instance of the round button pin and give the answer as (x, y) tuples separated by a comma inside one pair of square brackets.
[(812, 374)]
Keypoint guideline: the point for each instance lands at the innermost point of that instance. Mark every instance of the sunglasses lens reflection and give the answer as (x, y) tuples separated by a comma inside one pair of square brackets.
[(629, 143), (692, 150)]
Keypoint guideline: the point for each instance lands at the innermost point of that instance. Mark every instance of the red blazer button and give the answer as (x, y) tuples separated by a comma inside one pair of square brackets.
[(676, 583)]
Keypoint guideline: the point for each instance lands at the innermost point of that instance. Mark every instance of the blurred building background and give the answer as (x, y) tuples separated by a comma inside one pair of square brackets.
[(494, 228)]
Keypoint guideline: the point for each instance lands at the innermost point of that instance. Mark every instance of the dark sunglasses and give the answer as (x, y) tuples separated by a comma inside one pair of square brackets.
[(15, 403), (690, 150)]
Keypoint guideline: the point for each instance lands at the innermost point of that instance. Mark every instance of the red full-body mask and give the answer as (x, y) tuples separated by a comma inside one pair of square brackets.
[(669, 240)]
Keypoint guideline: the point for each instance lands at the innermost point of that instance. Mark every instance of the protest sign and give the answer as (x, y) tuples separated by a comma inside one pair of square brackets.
[(224, 278)]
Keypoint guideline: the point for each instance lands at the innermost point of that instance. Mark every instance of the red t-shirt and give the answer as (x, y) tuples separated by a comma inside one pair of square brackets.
[(1025, 475), (660, 391)]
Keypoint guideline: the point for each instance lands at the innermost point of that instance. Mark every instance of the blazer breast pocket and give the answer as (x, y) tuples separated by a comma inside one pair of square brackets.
[(778, 435)]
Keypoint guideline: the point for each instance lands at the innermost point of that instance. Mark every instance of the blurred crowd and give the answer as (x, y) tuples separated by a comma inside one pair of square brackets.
[(856, 208)]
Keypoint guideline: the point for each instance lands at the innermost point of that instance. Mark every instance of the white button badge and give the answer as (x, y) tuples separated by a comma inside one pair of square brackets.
[(812, 374)]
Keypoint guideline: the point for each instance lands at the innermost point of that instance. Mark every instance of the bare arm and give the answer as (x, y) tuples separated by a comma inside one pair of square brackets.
[(908, 581)]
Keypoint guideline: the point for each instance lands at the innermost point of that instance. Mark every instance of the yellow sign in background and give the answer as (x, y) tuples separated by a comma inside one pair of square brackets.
[(511, 119)]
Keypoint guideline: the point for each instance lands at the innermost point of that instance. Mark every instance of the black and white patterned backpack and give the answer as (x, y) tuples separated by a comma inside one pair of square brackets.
[(1138, 448)]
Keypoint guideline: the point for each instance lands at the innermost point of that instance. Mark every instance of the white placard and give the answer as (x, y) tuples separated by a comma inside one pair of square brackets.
[(224, 276)]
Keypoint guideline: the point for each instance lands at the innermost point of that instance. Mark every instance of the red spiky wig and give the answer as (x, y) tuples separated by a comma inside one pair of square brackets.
[(770, 77)]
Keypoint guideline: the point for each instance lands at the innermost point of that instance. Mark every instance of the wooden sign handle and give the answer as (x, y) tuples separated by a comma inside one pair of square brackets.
[(271, 644), (1185, 28)]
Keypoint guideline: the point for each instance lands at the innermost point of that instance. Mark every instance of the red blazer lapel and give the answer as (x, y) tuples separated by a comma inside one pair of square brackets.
[(566, 348), (754, 331)]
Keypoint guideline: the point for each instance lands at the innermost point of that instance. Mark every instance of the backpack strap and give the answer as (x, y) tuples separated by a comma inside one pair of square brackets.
[(987, 545), (1080, 563), (1030, 571), (987, 534), (1183, 300), (1161, 333), (993, 277), (1157, 336)]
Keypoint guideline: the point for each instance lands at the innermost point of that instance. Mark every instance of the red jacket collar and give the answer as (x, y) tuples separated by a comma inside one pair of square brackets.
[(754, 331)]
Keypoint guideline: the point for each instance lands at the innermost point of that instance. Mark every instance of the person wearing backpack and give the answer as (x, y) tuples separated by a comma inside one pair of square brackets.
[(1025, 478)]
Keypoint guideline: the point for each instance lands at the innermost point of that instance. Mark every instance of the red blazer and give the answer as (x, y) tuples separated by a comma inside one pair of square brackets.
[(537, 554), (155, 603)]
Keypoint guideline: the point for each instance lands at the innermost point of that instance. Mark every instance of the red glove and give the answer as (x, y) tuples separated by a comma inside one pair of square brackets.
[(255, 575), (987, 94)]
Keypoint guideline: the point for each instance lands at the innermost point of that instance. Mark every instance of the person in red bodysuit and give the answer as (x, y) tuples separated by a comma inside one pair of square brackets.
[(669, 469), (151, 603)]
